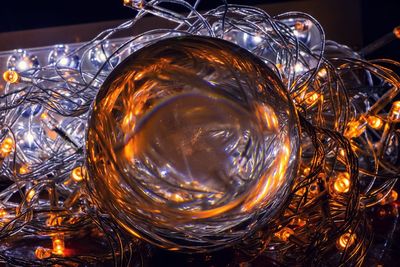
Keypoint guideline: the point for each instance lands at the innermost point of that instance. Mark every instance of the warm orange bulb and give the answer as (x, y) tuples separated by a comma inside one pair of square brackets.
[(42, 253), (322, 73), (58, 244), (311, 98), (395, 112), (3, 213), (375, 122), (177, 197), (134, 3), (391, 197), (342, 183), (30, 195), (78, 174), (354, 129), (44, 116), (23, 170), (11, 76), (284, 234), (396, 32), (345, 240), (6, 147)]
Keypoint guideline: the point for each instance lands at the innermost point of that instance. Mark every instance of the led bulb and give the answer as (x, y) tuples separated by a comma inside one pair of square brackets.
[(30, 195), (3, 213), (342, 183), (312, 98), (135, 3), (42, 253), (395, 112), (396, 32), (284, 234), (375, 122), (61, 57), (390, 198), (345, 240), (101, 54), (58, 244), (354, 129), (78, 174), (11, 76), (21, 61), (23, 170), (6, 147)]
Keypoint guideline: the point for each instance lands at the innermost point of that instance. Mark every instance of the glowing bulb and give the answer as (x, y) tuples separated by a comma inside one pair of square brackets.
[(135, 3), (42, 253), (23, 170), (78, 174), (396, 32), (21, 61), (300, 26), (375, 122), (61, 57), (342, 183), (30, 195), (284, 234), (6, 147), (257, 39), (345, 240), (29, 138), (395, 112), (298, 67), (392, 197), (58, 244), (177, 197), (3, 213), (311, 98), (11, 76), (354, 129), (99, 55), (322, 73)]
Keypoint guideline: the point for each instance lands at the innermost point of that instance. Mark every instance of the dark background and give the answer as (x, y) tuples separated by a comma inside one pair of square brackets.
[(378, 17)]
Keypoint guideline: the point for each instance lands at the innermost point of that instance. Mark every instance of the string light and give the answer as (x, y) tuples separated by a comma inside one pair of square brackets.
[(30, 195), (23, 170), (375, 122), (346, 240), (42, 253), (395, 112), (78, 173), (312, 98), (284, 234), (135, 3), (342, 183), (11, 76), (390, 198), (58, 244), (396, 32), (6, 147), (354, 129), (3, 213), (322, 73)]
